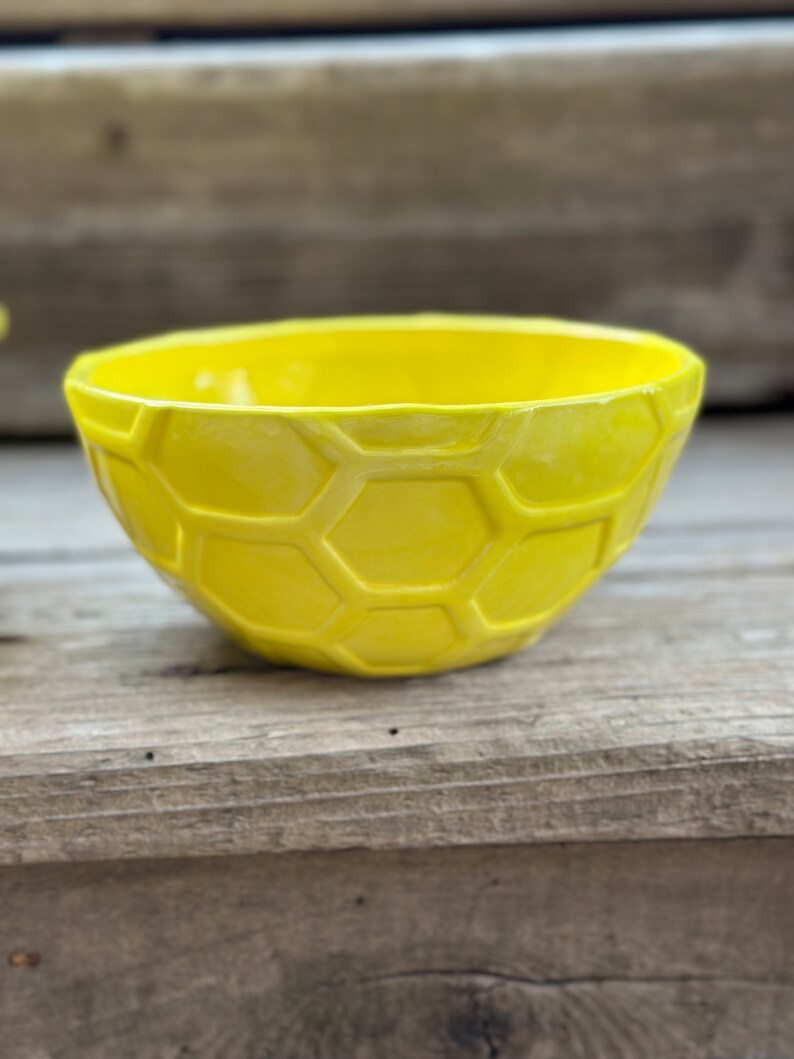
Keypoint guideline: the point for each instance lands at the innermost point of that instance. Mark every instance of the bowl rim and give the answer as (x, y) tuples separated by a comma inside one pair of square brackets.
[(78, 375)]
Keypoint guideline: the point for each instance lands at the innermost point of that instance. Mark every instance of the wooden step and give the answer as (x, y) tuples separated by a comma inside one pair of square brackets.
[(52, 16), (637, 176), (55, 16), (585, 852)]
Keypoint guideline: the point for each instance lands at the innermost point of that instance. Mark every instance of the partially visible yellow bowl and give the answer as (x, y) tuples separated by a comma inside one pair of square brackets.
[(385, 495)]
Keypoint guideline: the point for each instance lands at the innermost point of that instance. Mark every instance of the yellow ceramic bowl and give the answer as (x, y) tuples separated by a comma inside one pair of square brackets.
[(385, 495)]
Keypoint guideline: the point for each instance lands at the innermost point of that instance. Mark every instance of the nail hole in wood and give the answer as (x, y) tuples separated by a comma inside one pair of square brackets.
[(116, 138), (21, 958)]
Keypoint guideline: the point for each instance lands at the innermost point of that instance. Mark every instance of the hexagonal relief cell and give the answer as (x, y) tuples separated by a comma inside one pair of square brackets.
[(416, 532), (289, 654), (250, 465), (418, 432), (540, 572), (150, 525), (633, 509), (272, 586), (105, 412), (394, 636), (581, 451)]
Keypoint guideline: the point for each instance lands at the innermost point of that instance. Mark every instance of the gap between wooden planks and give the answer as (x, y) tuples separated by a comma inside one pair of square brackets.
[(661, 707)]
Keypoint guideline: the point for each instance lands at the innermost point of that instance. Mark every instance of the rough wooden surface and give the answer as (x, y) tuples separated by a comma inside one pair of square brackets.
[(661, 707), (54, 15), (600, 951), (639, 176)]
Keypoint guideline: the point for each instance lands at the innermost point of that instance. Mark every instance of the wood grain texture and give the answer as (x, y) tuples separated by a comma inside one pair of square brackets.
[(632, 176), (56, 15), (661, 707), (594, 951)]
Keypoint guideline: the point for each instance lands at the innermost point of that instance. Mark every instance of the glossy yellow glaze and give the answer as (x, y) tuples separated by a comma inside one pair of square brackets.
[(385, 495)]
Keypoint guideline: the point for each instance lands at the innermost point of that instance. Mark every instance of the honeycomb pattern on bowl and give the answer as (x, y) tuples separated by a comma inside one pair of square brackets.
[(360, 542)]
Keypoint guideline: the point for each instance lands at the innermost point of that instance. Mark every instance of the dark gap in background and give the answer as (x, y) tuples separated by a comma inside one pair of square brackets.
[(125, 34)]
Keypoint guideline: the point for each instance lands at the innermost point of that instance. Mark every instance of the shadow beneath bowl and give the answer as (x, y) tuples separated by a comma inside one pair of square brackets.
[(207, 652)]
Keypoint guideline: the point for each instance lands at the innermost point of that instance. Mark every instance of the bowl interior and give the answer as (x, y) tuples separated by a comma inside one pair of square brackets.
[(316, 365)]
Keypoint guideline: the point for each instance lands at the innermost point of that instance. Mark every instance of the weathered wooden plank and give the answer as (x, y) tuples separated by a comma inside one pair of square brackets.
[(636, 951), (660, 708), (54, 15), (633, 176)]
